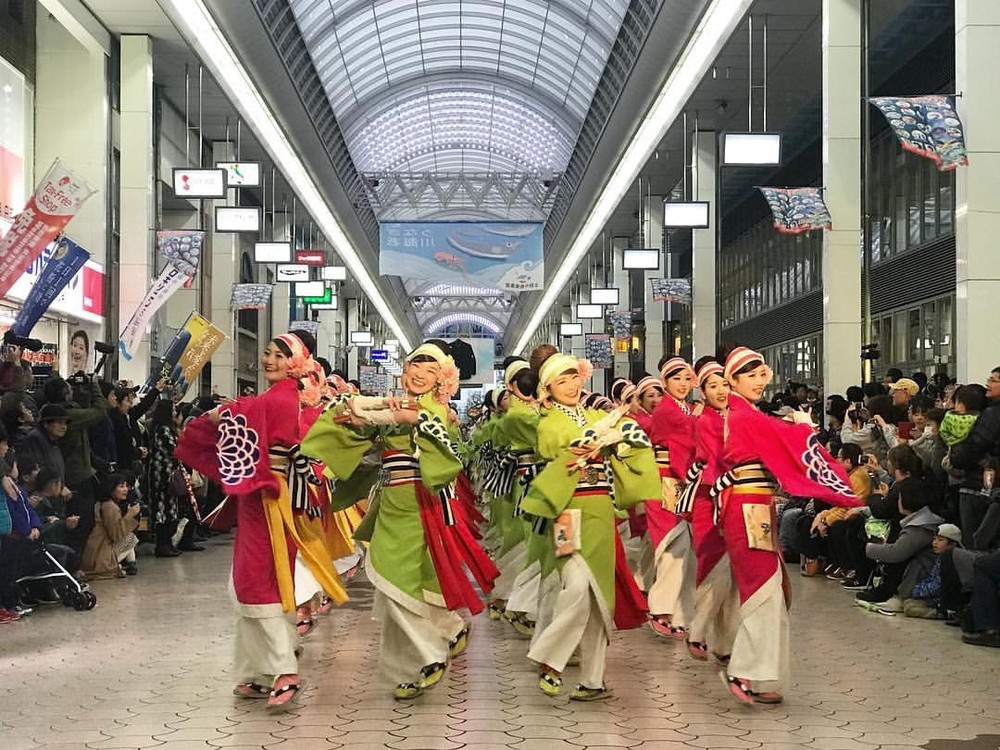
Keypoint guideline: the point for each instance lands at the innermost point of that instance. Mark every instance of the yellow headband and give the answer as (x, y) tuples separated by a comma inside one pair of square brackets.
[(428, 350), (513, 369), (555, 366)]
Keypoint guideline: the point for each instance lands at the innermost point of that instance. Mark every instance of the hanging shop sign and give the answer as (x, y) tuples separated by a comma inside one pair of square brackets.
[(501, 255), (272, 252), (199, 183), (292, 272), (55, 201), (240, 173), (311, 257), (378, 355), (797, 210), (237, 219), (927, 126)]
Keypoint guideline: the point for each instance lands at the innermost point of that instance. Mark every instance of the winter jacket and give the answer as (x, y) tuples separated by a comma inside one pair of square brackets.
[(5, 525), (75, 446), (39, 448), (983, 440), (916, 532), (23, 517)]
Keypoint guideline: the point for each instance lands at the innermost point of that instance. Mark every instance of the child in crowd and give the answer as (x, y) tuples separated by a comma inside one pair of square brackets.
[(963, 499), (25, 527), (925, 599), (50, 505)]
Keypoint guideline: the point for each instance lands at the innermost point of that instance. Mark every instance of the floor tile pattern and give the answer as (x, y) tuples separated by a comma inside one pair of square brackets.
[(149, 667)]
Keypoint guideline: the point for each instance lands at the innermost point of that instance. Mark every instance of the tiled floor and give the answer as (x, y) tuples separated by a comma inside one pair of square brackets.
[(148, 668)]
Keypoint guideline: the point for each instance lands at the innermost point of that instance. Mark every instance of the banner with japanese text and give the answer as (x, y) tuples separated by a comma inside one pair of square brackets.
[(502, 255), (55, 201), (185, 358), (927, 126), (797, 210), (182, 250), (62, 265)]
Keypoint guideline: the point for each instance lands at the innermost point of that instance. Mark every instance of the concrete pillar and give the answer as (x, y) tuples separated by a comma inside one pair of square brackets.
[(620, 280), (136, 190), (704, 249), (225, 248), (977, 221), (655, 312), (842, 22), (352, 325)]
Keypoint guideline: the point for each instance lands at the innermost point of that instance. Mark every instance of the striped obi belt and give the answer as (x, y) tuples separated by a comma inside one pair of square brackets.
[(298, 472), (662, 454), (594, 479), (525, 470), (401, 468), (751, 478)]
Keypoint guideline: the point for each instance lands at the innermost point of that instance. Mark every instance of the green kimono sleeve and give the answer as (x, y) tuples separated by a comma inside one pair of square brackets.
[(520, 428), (552, 490), (439, 465), (636, 475), (347, 492), (339, 446)]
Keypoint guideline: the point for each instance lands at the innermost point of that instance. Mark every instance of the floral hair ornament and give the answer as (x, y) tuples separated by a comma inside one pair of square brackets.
[(556, 365), (708, 370), (674, 366), (300, 359), (739, 358), (312, 385), (513, 369), (447, 384)]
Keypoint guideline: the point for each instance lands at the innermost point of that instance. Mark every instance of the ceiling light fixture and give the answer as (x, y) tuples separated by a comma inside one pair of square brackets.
[(717, 24), (199, 28)]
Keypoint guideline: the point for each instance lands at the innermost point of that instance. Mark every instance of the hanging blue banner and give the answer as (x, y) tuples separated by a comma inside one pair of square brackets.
[(927, 126), (65, 262), (502, 255)]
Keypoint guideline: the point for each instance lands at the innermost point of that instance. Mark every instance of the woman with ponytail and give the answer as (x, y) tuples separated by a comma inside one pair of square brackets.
[(251, 448), (418, 554)]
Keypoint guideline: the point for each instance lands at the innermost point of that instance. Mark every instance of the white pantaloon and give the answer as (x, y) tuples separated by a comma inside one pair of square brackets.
[(410, 641), (762, 649), (510, 567), (578, 621), (716, 610), (265, 645), (672, 592)]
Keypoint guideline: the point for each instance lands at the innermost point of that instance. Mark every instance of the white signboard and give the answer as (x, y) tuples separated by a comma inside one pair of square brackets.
[(199, 183), (237, 219), (292, 273), (241, 173)]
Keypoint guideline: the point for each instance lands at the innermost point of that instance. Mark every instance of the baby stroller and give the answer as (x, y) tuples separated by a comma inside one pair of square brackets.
[(46, 570)]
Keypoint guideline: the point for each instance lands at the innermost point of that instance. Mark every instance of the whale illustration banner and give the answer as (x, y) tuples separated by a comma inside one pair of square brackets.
[(503, 254)]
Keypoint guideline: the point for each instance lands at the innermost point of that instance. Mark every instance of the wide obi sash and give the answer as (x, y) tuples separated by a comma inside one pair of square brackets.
[(594, 479), (298, 471)]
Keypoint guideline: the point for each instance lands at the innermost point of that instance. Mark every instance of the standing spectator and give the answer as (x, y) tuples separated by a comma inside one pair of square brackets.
[(88, 408), (980, 452), (15, 372), (164, 500), (102, 433), (125, 417), (985, 602), (902, 391), (966, 500)]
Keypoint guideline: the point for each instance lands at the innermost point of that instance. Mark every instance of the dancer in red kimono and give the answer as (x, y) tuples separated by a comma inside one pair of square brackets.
[(761, 452), (251, 447), (717, 604), (671, 429)]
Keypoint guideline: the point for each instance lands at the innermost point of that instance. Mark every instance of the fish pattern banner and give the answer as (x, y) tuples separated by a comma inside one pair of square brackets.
[(502, 255), (598, 350), (672, 290), (797, 210), (928, 126), (250, 296), (621, 324)]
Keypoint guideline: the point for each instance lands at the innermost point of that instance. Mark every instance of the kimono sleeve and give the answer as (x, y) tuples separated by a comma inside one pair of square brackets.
[(633, 465), (439, 463), (339, 446), (552, 489)]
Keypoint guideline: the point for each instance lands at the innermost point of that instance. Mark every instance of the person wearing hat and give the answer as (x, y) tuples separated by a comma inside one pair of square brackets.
[(416, 560), (902, 391), (584, 452), (41, 445), (925, 600)]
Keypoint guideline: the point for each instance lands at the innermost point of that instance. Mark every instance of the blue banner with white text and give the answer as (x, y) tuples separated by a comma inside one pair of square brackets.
[(65, 262), (502, 255)]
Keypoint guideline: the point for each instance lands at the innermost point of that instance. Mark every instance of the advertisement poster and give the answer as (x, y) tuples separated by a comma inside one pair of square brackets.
[(64, 263), (55, 201), (501, 255)]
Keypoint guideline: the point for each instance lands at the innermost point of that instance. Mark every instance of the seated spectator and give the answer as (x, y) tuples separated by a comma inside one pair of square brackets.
[(925, 600), (909, 557), (957, 564), (110, 550), (50, 505), (872, 427)]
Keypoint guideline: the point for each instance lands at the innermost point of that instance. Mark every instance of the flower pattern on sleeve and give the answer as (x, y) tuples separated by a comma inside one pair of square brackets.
[(238, 449)]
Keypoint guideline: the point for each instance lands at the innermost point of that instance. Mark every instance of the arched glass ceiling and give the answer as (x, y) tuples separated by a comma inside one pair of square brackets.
[(450, 319), (376, 57)]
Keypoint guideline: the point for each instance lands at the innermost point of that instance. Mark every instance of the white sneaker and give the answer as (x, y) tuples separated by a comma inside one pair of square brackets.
[(893, 604)]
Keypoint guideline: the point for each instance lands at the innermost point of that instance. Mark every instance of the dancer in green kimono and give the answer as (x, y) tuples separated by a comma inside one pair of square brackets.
[(415, 558), (589, 456)]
